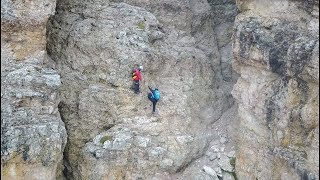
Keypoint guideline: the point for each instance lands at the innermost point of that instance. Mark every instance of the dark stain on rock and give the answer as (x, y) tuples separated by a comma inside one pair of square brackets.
[(107, 127), (276, 65), (245, 44), (287, 55), (306, 5), (278, 52), (25, 155), (4, 140), (270, 113), (305, 175)]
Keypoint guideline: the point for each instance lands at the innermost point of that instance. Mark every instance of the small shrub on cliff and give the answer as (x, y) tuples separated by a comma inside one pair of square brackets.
[(141, 25), (233, 161), (105, 138)]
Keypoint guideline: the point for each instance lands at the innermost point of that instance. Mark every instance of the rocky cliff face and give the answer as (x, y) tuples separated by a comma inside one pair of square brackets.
[(112, 133), (32, 134), (224, 13), (194, 52), (276, 53)]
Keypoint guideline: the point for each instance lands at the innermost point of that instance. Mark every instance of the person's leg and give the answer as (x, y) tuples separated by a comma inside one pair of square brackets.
[(154, 106), (136, 86)]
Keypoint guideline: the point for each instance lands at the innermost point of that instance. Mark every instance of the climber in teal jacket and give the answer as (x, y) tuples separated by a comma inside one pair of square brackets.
[(154, 97)]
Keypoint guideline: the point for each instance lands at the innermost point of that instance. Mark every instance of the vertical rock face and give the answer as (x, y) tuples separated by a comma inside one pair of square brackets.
[(112, 133), (224, 13), (185, 47), (276, 53), (223, 17), (32, 134)]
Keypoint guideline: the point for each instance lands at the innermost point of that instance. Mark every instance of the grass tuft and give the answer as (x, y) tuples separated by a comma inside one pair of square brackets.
[(105, 138), (141, 25)]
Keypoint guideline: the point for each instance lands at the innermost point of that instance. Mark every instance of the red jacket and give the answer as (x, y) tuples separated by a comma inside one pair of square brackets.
[(138, 74)]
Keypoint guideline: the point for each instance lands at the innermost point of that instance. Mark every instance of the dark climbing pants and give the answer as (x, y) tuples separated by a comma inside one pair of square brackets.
[(136, 87), (154, 102), (154, 106)]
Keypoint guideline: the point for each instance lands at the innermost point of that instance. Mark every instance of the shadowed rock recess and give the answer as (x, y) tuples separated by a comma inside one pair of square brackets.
[(238, 80)]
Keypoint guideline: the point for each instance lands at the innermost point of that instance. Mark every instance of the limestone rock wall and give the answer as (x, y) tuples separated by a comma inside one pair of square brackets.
[(33, 136), (224, 13), (111, 131), (83, 88), (276, 54)]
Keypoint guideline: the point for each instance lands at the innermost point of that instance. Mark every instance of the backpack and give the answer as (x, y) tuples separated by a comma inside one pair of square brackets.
[(156, 95), (134, 75)]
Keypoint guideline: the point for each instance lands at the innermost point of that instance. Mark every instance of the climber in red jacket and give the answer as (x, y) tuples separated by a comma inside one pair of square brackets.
[(136, 76)]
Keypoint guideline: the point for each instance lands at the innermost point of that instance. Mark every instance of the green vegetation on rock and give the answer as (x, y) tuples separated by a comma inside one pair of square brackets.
[(233, 161), (105, 138), (141, 25)]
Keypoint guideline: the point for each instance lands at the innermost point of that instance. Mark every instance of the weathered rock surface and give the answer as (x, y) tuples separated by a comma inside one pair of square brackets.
[(96, 46), (276, 53), (33, 136), (225, 127), (224, 13), (186, 49), (211, 172)]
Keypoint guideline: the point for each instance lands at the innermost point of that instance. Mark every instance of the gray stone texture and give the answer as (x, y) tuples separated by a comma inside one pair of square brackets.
[(33, 136), (238, 80), (276, 54), (96, 45)]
